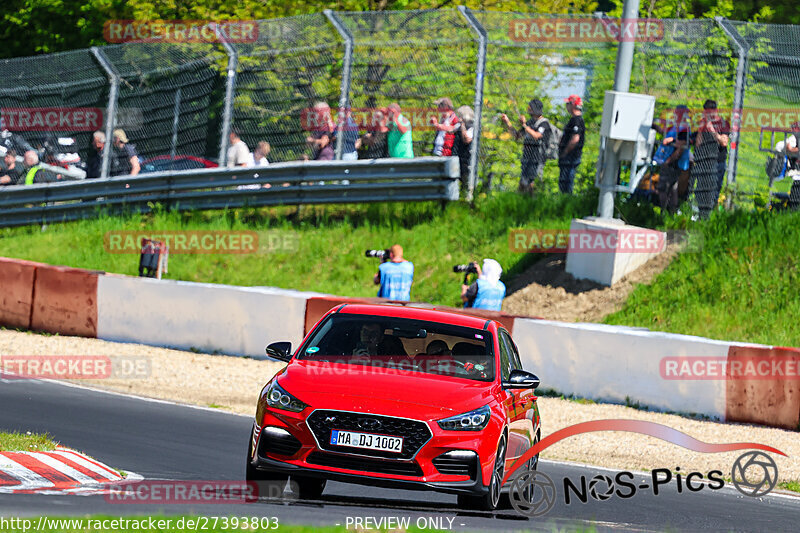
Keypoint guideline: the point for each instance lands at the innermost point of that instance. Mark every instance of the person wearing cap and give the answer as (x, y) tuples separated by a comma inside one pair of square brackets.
[(445, 130), (125, 156), (487, 292), (570, 148), (710, 157), (535, 134)]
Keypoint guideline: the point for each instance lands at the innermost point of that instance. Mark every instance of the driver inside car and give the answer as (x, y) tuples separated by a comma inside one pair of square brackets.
[(372, 342)]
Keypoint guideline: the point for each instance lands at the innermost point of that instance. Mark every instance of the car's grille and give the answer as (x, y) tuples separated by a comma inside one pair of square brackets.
[(415, 433), (457, 466), (278, 443), (364, 464)]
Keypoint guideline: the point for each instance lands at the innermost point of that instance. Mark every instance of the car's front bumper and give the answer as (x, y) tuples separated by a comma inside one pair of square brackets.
[(472, 487)]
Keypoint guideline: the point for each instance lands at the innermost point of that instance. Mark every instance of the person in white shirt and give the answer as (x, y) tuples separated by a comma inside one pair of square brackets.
[(238, 152)]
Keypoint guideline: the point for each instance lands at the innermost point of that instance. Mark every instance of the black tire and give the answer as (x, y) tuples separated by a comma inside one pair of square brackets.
[(269, 484), (492, 500), (307, 488)]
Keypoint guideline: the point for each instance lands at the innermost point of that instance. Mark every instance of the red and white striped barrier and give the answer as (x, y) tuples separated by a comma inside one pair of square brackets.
[(61, 470)]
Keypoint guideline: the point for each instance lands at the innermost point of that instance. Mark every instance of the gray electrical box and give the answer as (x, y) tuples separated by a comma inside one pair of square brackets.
[(627, 116)]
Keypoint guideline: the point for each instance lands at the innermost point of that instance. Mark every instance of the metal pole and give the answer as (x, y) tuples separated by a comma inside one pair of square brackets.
[(230, 89), (176, 115), (738, 96), (111, 108), (480, 71), (622, 83), (347, 65)]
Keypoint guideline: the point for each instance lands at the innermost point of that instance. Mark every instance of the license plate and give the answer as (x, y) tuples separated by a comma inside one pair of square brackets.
[(367, 441)]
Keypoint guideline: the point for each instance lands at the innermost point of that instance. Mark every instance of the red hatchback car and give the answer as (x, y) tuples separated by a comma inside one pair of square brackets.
[(396, 396)]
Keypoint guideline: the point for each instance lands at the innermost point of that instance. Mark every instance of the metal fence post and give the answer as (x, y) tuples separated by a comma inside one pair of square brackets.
[(480, 71), (111, 108), (347, 64), (738, 96), (230, 94)]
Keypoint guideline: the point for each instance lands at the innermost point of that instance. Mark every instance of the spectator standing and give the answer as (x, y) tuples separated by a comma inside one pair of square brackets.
[(349, 137), (238, 153), (395, 276), (400, 135), (446, 129), (710, 158), (259, 155), (127, 160), (535, 134), (570, 148), (487, 292), (323, 133), (462, 144), (94, 163), (10, 172), (676, 139), (375, 144)]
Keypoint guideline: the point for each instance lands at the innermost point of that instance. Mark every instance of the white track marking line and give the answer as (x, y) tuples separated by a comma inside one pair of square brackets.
[(143, 398), (62, 467)]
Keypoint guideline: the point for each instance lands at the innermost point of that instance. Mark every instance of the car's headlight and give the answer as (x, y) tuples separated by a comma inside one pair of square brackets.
[(472, 421), (280, 399)]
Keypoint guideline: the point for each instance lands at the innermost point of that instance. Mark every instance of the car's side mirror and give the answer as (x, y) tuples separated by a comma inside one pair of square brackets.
[(521, 379), (282, 351)]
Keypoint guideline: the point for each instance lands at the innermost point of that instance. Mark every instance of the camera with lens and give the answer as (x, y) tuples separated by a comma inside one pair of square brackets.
[(469, 268), (383, 255)]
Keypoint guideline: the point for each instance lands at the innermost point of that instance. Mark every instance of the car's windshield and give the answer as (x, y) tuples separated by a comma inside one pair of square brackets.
[(402, 343)]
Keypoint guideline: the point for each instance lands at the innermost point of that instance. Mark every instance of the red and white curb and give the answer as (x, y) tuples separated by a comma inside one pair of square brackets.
[(62, 471)]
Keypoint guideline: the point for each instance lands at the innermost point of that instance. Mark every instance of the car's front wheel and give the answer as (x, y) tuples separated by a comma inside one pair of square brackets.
[(270, 484), (491, 500)]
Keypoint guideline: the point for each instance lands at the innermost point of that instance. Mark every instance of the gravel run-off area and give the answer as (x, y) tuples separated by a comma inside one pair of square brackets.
[(233, 384)]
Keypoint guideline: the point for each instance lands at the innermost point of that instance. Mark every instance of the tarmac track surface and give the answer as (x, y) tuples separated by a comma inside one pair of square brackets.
[(165, 441)]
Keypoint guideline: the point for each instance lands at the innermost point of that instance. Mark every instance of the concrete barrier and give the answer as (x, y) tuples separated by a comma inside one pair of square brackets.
[(16, 292), (65, 301), (773, 401), (616, 363), (206, 317)]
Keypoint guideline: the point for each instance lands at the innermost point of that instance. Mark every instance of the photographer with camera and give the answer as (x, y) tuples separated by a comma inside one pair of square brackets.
[(395, 275), (487, 292)]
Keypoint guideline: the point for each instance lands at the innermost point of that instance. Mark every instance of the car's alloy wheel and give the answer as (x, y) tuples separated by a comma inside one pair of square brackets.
[(490, 501)]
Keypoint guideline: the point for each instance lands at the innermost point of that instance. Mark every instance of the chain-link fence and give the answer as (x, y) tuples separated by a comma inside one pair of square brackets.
[(180, 99)]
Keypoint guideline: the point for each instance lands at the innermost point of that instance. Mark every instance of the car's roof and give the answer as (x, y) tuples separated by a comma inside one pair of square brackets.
[(403, 311)]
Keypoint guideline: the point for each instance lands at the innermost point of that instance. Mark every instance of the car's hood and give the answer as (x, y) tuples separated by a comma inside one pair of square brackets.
[(392, 392)]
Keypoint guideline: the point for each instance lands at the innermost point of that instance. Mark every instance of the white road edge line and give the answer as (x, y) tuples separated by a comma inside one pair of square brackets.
[(143, 398)]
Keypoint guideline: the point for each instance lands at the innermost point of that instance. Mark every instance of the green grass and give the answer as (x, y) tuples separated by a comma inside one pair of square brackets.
[(26, 442), (793, 486), (330, 243), (742, 285)]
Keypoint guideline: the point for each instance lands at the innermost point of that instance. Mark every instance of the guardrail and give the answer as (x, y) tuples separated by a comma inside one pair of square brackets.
[(296, 183)]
